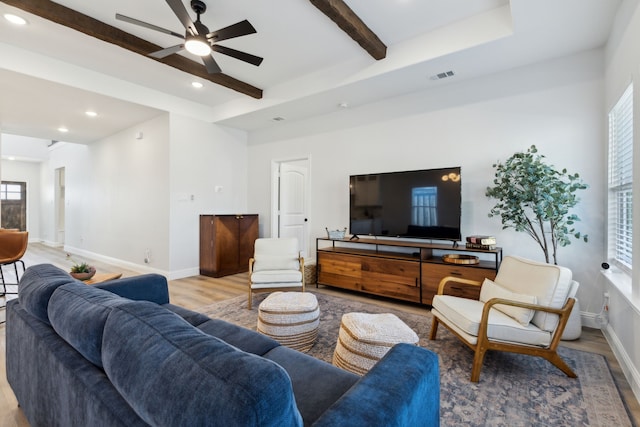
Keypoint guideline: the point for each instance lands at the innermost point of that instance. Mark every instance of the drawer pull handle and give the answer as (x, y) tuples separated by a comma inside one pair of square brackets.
[(456, 273)]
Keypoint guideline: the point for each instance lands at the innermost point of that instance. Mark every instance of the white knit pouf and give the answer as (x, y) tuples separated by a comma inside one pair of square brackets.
[(291, 318), (365, 338)]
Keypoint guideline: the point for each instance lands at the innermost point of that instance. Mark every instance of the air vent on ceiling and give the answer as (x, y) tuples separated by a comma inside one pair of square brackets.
[(277, 119), (441, 76)]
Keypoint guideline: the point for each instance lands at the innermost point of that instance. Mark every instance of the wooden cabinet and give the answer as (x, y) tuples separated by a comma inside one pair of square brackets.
[(226, 243), (393, 278), (409, 271)]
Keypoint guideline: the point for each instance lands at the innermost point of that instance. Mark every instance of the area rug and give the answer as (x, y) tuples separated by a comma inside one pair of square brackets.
[(514, 390)]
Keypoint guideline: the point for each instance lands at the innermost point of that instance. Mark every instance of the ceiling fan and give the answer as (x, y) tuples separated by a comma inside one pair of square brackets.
[(197, 38)]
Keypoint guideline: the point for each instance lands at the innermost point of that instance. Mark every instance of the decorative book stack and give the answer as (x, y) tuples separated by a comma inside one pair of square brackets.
[(481, 242)]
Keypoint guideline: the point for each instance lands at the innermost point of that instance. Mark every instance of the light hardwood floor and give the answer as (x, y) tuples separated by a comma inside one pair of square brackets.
[(198, 291)]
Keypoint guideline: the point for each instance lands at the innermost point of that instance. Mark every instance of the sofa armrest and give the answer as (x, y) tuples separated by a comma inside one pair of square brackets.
[(402, 389), (147, 287)]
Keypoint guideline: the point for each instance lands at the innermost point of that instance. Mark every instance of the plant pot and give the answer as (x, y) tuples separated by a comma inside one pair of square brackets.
[(84, 276)]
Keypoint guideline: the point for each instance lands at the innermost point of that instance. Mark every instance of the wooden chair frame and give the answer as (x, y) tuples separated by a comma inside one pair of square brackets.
[(277, 288), (484, 343)]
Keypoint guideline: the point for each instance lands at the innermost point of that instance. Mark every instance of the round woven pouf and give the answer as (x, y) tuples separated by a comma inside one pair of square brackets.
[(291, 318), (365, 338)]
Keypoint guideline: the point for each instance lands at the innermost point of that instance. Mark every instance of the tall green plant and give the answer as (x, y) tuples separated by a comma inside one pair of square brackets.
[(536, 198)]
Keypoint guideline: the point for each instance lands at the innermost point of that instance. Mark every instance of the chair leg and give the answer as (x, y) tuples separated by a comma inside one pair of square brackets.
[(4, 286), (250, 298), (478, 359), (434, 328), (557, 361)]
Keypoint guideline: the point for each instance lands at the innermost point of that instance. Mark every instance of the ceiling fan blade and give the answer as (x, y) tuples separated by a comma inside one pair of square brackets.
[(241, 28), (181, 12), (211, 64), (242, 56), (147, 25), (167, 51)]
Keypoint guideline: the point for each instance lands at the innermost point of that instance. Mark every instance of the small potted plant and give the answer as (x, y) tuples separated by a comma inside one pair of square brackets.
[(81, 271)]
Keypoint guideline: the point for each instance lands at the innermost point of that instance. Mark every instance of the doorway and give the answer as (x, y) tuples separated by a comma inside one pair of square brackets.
[(290, 213), (13, 202), (59, 194)]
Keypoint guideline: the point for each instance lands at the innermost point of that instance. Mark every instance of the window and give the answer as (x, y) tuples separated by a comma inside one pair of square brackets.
[(424, 204), (621, 181), (10, 191)]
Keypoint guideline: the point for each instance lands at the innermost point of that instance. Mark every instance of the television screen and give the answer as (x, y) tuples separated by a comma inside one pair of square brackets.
[(419, 204)]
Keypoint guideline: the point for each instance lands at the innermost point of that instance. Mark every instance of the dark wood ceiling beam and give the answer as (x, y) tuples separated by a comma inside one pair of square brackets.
[(85, 24), (350, 23)]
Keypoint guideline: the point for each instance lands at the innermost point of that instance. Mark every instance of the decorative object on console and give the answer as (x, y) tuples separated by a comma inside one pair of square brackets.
[(485, 243), (460, 259), (336, 234), (533, 196)]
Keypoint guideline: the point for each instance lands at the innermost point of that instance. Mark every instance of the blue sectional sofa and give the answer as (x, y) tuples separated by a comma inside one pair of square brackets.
[(119, 354)]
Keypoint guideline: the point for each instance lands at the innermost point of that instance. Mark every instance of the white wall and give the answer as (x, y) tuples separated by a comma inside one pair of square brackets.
[(29, 172), (75, 159), (622, 68), (117, 203), (557, 105), (203, 156)]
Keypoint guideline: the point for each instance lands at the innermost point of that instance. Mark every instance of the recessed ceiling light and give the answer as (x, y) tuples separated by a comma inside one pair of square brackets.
[(15, 19), (343, 104), (91, 113), (197, 85), (11, 158), (63, 129)]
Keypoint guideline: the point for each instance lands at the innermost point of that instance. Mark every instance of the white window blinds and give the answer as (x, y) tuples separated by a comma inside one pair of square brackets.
[(621, 180)]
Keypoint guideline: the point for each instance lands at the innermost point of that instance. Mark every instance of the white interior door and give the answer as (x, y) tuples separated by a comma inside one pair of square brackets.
[(293, 218)]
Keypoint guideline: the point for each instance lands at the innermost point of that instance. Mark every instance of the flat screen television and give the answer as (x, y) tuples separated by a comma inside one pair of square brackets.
[(423, 204)]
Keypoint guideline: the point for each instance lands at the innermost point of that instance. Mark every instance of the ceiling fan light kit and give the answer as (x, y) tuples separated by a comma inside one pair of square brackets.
[(195, 45), (198, 40)]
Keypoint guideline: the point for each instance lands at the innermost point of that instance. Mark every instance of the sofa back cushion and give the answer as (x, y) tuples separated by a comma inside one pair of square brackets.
[(36, 287), (276, 254), (549, 283), (174, 374), (78, 313)]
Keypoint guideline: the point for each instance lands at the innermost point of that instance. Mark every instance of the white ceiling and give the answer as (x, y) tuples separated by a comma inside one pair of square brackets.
[(50, 74)]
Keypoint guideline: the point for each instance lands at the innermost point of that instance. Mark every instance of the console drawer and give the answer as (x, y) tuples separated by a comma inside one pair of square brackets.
[(432, 274)]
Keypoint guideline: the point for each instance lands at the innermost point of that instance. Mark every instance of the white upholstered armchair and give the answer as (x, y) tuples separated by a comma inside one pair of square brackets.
[(276, 265), (524, 310)]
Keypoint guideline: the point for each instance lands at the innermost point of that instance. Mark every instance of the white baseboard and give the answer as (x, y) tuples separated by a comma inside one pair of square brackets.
[(589, 320), (626, 364), (138, 268)]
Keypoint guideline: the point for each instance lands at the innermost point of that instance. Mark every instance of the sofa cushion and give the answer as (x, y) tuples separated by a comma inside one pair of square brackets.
[(549, 283), (491, 290), (276, 276), (239, 337), (276, 254), (36, 287), (78, 313), (176, 375), (317, 384), (464, 315)]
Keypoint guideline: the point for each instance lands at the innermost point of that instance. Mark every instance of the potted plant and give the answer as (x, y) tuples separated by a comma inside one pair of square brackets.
[(81, 271), (534, 197)]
